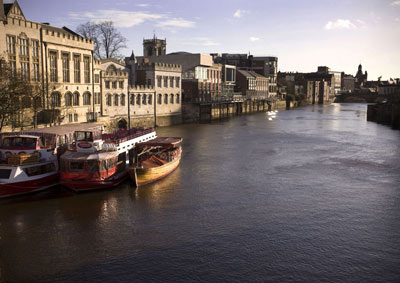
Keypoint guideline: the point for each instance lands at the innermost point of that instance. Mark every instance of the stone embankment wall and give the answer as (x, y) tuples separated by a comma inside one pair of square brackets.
[(385, 113)]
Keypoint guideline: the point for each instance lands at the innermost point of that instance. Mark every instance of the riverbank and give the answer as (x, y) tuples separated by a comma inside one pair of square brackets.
[(385, 113)]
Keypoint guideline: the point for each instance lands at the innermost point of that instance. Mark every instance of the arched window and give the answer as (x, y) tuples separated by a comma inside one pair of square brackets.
[(171, 99), (76, 98), (150, 99), (109, 100), (177, 98), (55, 99), (138, 99), (86, 98), (132, 99), (116, 102), (165, 98), (122, 99), (68, 99), (26, 102), (159, 98), (144, 99)]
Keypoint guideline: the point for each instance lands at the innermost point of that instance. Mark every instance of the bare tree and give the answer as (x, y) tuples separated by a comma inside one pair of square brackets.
[(108, 41), (12, 87)]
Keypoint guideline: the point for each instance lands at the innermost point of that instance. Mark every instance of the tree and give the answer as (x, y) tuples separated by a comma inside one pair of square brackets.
[(108, 41), (12, 88)]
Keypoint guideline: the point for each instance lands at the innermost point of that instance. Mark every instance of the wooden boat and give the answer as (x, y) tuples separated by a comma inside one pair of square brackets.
[(100, 161), (155, 159), (29, 159)]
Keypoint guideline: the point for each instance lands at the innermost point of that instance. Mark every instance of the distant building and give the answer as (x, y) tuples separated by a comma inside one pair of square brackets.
[(360, 78), (347, 83), (252, 85)]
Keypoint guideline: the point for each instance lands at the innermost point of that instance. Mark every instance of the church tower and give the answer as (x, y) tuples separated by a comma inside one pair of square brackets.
[(154, 47)]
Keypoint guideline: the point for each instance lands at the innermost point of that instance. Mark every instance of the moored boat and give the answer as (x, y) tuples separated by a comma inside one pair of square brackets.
[(155, 159), (100, 161)]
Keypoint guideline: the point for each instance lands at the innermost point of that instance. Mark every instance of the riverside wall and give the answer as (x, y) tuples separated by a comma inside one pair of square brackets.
[(385, 113)]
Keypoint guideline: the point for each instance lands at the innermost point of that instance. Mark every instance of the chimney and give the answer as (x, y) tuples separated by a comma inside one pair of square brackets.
[(2, 15)]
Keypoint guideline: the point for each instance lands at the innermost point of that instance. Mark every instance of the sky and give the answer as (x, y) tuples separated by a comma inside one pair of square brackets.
[(306, 34)]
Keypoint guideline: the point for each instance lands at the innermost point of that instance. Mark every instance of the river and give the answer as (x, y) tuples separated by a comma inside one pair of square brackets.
[(312, 195)]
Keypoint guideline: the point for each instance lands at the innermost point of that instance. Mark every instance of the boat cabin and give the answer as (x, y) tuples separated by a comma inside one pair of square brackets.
[(21, 142), (100, 165)]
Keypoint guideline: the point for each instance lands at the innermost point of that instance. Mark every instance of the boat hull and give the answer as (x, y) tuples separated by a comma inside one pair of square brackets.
[(143, 176), (26, 187), (89, 185)]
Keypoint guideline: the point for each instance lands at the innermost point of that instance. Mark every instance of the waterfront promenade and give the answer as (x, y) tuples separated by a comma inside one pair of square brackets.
[(310, 196)]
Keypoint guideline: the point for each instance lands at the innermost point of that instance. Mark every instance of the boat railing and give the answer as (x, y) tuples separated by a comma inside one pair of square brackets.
[(125, 135)]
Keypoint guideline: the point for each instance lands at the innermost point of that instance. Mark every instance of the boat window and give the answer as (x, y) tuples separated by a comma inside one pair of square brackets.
[(6, 142), (110, 164), (41, 169), (93, 166), (75, 166), (5, 173), (30, 143), (83, 136), (18, 142), (104, 165)]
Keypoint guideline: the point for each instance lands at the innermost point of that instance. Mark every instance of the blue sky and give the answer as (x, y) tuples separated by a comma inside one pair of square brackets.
[(303, 34)]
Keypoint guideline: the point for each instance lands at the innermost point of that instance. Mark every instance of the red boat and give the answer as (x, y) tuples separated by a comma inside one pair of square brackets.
[(100, 161), (29, 159)]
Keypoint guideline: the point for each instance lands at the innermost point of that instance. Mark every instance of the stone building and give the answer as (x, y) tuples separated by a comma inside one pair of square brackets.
[(201, 77), (58, 59), (347, 83), (252, 85), (360, 78)]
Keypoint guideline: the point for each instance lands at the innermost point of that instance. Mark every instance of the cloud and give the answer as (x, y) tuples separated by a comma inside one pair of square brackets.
[(395, 3), (252, 38), (340, 24), (142, 5), (362, 23), (397, 19), (176, 22), (239, 13), (204, 41), (127, 19)]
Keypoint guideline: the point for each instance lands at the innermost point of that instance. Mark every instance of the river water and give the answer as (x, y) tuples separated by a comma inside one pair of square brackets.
[(312, 195)]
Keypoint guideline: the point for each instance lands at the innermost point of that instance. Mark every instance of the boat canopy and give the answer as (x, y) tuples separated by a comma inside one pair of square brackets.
[(160, 142), (83, 156)]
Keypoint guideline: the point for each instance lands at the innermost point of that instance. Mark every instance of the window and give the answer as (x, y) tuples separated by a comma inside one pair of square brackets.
[(70, 118), (26, 102), (35, 73), (114, 84), (77, 68), (53, 66), (116, 100), (11, 45), (76, 117), (86, 98), (93, 166), (76, 98), (158, 81), (108, 102), (24, 68), (165, 98), (177, 99), (97, 98), (68, 100), (122, 99), (148, 81), (97, 78), (107, 83), (86, 69), (171, 82), (150, 99), (177, 80), (171, 99), (144, 102), (121, 84), (55, 99), (159, 100), (35, 48), (23, 47), (132, 101), (41, 169), (76, 166), (165, 81), (138, 99), (65, 66)]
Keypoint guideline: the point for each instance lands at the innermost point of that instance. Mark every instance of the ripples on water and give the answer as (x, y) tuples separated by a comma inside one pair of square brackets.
[(312, 195)]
